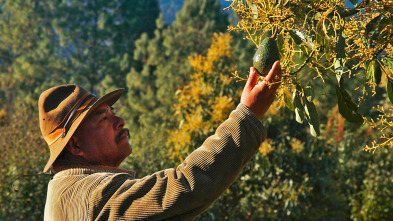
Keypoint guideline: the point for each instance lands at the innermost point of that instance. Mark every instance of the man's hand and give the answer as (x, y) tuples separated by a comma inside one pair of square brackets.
[(258, 96)]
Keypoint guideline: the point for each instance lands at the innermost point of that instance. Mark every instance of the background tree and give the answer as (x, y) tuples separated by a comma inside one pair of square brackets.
[(27, 49), (161, 68), (98, 37)]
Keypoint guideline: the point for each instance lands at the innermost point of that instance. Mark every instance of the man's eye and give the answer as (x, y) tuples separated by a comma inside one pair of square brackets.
[(104, 118)]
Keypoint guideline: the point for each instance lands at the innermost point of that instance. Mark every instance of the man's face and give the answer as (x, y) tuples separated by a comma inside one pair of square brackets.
[(102, 138)]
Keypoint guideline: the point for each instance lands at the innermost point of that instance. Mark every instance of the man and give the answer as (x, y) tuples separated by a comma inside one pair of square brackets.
[(87, 143)]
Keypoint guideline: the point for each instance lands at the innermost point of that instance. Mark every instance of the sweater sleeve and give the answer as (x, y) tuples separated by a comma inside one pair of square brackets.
[(188, 190)]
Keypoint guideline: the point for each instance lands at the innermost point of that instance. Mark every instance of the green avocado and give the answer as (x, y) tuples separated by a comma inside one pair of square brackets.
[(265, 56)]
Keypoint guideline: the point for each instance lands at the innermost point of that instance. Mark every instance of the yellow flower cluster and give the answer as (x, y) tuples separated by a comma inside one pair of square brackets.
[(206, 100), (266, 147), (297, 145), (383, 123), (221, 106)]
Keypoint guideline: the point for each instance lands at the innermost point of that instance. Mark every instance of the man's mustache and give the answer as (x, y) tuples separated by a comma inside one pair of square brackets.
[(124, 130)]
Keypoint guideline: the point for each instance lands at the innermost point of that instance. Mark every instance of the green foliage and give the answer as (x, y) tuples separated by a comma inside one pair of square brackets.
[(98, 36), (23, 153), (26, 50), (319, 179)]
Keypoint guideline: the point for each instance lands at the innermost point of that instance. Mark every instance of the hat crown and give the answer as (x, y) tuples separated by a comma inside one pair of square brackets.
[(55, 103)]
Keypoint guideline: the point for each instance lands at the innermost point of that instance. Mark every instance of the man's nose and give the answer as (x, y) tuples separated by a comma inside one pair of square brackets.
[(119, 122)]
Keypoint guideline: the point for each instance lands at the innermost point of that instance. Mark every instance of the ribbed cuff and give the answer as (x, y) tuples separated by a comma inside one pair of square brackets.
[(251, 119)]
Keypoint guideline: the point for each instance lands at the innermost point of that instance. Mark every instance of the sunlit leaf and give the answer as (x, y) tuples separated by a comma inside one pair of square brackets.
[(299, 113), (295, 37), (320, 29), (388, 62), (288, 102), (254, 9), (299, 109), (313, 117), (339, 68), (299, 57), (374, 71)]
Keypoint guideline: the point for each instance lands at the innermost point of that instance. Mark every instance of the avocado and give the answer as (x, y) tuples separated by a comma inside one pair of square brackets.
[(266, 55)]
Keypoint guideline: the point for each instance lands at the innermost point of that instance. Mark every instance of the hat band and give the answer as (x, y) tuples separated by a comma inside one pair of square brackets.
[(61, 132)]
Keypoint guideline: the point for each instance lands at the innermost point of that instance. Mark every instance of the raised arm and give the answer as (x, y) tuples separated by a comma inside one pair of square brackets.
[(188, 190)]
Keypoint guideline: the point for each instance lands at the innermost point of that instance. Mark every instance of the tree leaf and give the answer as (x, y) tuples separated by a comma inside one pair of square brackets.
[(299, 109), (339, 68), (374, 71), (340, 46), (280, 44), (299, 57), (295, 37), (326, 47), (373, 24), (340, 57), (388, 62), (313, 117), (354, 2), (347, 107), (288, 102), (377, 72), (309, 92), (321, 29), (372, 30), (389, 90), (253, 8)]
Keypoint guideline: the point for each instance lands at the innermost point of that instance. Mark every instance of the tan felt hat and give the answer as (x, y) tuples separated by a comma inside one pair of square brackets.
[(61, 111)]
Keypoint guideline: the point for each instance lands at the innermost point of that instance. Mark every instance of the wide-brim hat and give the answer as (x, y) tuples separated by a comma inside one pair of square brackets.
[(62, 109)]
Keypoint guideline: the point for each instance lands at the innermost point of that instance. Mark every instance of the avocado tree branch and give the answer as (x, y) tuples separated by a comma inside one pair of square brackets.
[(355, 10)]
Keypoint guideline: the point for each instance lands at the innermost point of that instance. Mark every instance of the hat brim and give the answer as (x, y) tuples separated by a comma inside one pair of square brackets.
[(57, 147)]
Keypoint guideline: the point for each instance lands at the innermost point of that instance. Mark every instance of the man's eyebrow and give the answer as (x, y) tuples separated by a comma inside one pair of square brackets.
[(99, 112), (103, 111)]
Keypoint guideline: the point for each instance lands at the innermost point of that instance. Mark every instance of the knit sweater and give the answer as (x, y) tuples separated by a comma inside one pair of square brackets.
[(172, 194)]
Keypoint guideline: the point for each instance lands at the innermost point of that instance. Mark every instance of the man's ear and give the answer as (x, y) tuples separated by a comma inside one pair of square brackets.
[(73, 148)]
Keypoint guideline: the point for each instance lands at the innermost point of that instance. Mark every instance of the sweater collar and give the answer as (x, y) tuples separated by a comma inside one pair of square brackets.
[(78, 170)]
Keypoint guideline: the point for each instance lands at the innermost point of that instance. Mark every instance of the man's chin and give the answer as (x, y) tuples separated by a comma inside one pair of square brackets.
[(127, 148)]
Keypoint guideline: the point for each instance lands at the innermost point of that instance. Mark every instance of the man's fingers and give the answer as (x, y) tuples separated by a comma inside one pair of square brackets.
[(272, 80), (252, 79), (274, 74)]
